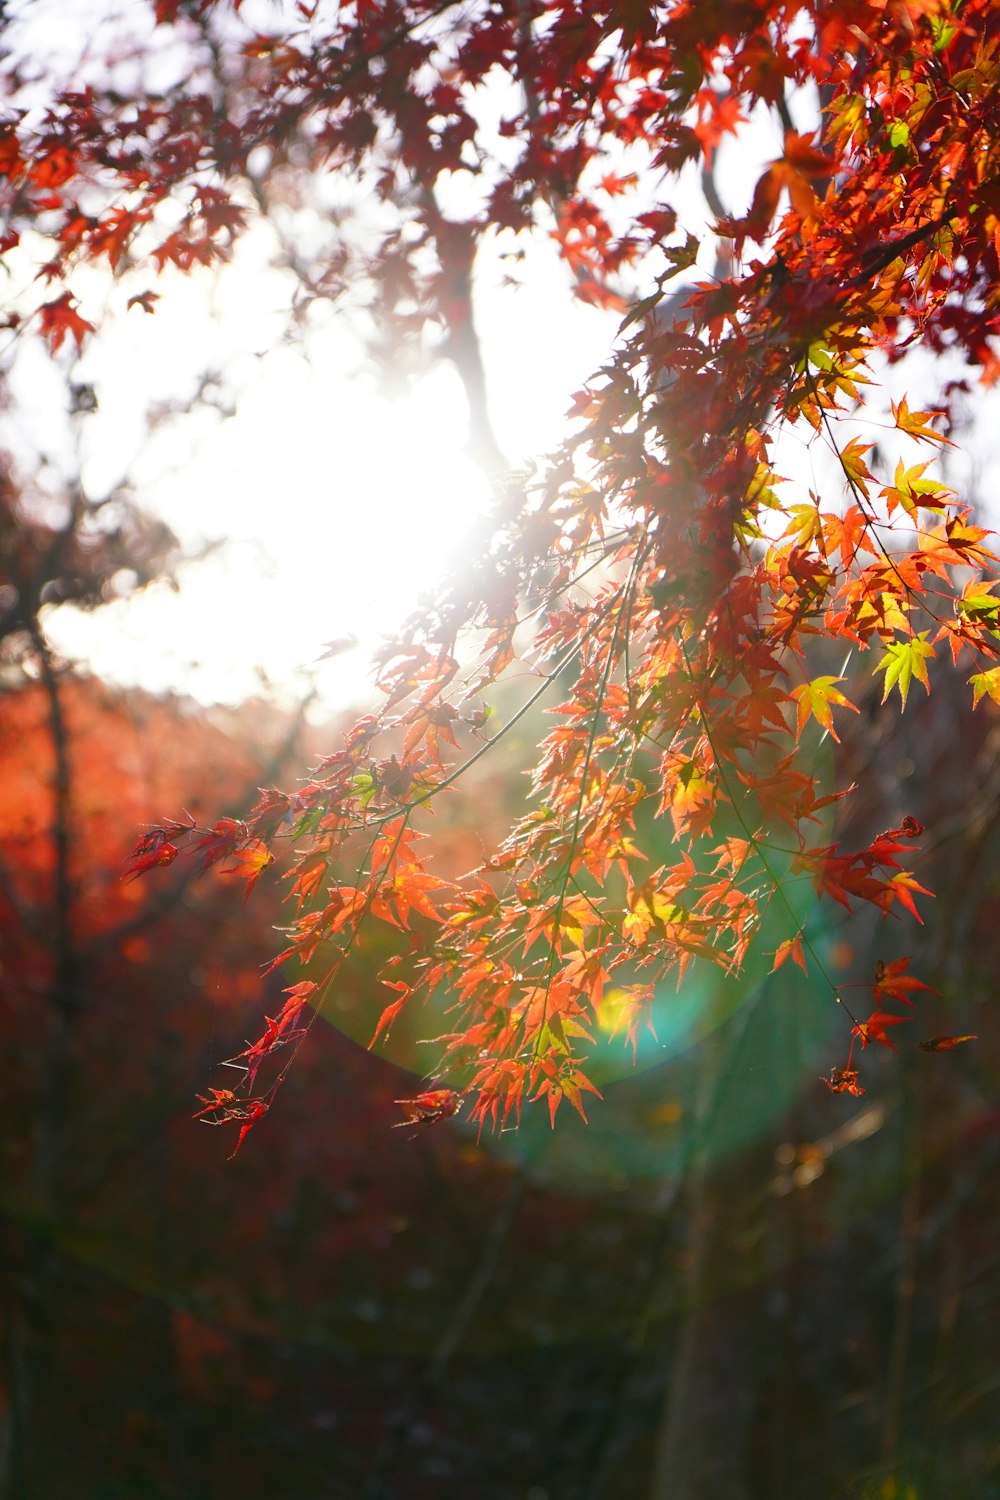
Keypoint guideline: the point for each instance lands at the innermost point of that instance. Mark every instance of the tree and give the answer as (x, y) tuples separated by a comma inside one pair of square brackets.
[(693, 613)]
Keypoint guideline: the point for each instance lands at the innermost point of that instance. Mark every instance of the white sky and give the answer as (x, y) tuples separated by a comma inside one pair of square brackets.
[(334, 507)]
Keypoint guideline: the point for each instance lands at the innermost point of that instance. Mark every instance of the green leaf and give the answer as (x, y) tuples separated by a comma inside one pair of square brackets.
[(681, 257), (903, 661), (982, 608), (639, 311), (942, 31), (984, 683), (364, 788)]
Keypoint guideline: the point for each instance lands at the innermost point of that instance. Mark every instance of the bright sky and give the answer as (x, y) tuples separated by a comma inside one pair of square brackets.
[(334, 506)]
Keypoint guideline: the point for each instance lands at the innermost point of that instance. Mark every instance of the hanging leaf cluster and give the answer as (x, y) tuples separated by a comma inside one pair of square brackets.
[(683, 608)]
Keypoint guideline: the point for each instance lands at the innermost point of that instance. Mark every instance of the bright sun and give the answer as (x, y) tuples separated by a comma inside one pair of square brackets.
[(332, 507)]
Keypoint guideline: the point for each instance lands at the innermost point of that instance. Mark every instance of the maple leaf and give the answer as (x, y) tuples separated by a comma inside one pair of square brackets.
[(391, 1011), (984, 684), (253, 1110), (874, 1029), (277, 1033), (567, 1086), (978, 605), (815, 698), (902, 886), (955, 543), (220, 1101), (429, 1108), (807, 158), (10, 153), (154, 848), (249, 861), (946, 1043), (790, 948), (910, 491), (852, 460), (917, 424), (59, 318), (225, 1108), (220, 840), (718, 115), (844, 1081), (307, 877), (893, 982), (903, 661), (886, 845), (299, 996)]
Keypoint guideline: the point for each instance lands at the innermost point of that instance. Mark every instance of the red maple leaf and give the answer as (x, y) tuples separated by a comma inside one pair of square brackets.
[(60, 318), (893, 983), (154, 848), (874, 1029), (429, 1108)]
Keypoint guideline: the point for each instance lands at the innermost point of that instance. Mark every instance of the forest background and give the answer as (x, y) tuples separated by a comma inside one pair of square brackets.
[(344, 1308)]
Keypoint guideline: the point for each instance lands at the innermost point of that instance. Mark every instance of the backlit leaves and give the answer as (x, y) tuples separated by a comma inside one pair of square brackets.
[(430, 1108), (816, 699), (154, 848), (249, 861), (903, 661), (985, 684), (60, 320), (685, 611)]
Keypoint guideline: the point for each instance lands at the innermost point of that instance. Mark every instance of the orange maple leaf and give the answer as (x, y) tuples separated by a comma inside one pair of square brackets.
[(249, 862), (874, 1029), (843, 1081)]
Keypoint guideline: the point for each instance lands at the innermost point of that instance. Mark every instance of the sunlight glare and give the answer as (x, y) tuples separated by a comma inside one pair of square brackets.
[(330, 507), (334, 510)]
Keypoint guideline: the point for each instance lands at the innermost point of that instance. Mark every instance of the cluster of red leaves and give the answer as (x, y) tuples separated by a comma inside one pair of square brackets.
[(224, 1107), (682, 596), (429, 1108), (228, 845), (892, 982), (241, 1105), (229, 839)]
